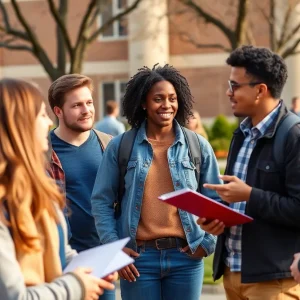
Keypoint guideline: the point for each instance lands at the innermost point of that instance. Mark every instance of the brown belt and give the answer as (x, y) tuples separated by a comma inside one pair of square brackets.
[(163, 243)]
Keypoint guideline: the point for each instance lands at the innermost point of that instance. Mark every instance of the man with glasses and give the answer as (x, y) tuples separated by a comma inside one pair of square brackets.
[(255, 258)]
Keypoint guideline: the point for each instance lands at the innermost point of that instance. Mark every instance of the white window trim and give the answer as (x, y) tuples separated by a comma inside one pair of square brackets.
[(115, 37), (117, 91)]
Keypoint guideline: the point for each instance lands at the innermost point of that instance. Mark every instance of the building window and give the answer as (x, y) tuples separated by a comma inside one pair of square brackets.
[(118, 30), (111, 91)]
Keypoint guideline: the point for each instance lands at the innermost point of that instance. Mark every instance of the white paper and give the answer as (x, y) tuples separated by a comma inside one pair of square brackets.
[(104, 259)]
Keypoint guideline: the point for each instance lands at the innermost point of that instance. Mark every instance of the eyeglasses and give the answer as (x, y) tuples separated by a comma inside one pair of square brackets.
[(234, 85)]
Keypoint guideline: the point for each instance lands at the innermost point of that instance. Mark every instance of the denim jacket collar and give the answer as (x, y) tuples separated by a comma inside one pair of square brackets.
[(142, 135)]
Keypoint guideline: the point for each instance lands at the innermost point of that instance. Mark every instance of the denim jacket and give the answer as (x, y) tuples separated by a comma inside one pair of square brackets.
[(183, 175)]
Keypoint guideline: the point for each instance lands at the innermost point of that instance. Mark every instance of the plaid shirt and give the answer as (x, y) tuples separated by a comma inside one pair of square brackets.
[(56, 171), (233, 241)]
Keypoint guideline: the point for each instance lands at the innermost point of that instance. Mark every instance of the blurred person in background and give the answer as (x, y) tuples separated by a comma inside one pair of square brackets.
[(33, 234), (194, 123), (296, 106), (110, 124)]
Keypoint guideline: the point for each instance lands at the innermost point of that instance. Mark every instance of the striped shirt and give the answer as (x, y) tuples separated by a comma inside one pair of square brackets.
[(233, 241)]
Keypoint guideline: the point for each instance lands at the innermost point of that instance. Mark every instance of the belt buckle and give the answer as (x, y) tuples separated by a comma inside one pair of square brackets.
[(157, 244)]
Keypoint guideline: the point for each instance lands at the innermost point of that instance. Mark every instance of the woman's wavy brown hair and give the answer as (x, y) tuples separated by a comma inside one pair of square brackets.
[(23, 179)]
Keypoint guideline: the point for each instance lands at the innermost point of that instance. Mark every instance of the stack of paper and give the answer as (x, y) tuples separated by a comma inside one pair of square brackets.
[(104, 259)]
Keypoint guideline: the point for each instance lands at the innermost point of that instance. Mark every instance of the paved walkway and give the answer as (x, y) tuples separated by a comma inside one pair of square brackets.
[(222, 163)]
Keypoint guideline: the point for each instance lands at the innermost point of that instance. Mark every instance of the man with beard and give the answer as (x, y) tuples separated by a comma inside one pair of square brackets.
[(76, 155)]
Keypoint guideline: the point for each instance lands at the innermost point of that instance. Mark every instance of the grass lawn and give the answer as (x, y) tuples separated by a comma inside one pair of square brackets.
[(208, 271)]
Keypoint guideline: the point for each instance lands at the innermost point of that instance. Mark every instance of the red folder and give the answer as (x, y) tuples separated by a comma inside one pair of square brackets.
[(204, 207)]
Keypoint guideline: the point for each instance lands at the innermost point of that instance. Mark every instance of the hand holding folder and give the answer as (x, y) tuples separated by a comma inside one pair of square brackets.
[(204, 207), (104, 259)]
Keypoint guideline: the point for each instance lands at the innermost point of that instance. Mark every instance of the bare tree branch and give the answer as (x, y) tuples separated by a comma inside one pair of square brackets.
[(240, 29), (187, 38), (94, 17), (284, 38), (119, 16), (4, 15), (291, 50), (39, 52), (8, 43), (60, 44), (85, 22), (271, 21), (291, 35), (287, 16), (8, 29), (294, 53), (16, 47), (249, 36), (61, 23), (11, 36), (211, 19), (81, 39)]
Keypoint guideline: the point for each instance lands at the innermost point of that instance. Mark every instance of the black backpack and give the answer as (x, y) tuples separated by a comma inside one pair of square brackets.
[(286, 124), (124, 154)]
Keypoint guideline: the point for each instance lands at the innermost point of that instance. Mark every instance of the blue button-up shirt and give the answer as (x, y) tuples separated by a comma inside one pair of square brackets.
[(182, 173), (110, 125), (233, 241)]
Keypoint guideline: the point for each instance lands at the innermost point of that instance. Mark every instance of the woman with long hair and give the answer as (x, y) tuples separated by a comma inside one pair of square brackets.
[(33, 240), (166, 242)]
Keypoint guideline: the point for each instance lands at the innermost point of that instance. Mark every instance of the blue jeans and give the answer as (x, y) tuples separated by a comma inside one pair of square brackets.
[(165, 275)]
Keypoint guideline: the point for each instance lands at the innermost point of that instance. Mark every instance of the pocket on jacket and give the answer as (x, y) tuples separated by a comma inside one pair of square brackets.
[(268, 176), (267, 166), (130, 173), (189, 174)]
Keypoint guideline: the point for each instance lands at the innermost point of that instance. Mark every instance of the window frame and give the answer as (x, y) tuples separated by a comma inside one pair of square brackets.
[(117, 92), (115, 36)]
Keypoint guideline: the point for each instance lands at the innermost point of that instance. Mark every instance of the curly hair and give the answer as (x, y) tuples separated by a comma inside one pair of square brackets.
[(139, 86), (263, 65)]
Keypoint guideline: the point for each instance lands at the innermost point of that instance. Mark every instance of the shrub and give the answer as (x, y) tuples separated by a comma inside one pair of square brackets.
[(221, 128), (220, 144)]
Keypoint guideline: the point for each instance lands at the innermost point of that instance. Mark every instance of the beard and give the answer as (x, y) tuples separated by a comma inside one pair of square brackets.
[(74, 126), (240, 115)]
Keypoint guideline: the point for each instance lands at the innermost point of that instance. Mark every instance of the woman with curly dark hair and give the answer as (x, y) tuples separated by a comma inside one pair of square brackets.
[(167, 244)]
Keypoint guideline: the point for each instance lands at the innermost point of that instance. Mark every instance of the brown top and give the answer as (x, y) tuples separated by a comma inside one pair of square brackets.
[(159, 219)]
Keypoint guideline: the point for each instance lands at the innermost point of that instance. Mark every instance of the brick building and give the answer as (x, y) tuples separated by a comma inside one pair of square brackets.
[(148, 37)]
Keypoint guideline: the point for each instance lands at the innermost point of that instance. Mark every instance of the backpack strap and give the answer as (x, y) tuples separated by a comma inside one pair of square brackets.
[(125, 149), (194, 151), (103, 138), (281, 136)]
